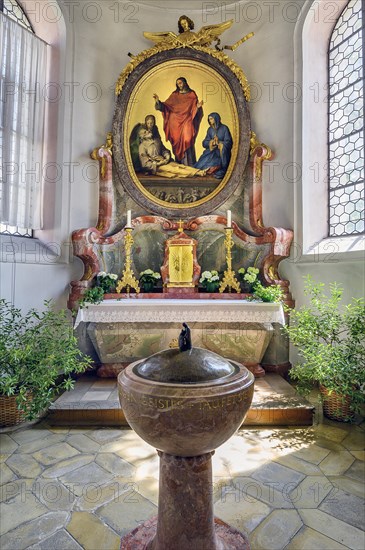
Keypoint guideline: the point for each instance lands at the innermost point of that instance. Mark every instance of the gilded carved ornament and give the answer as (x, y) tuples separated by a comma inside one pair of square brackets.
[(186, 38), (254, 143), (108, 146)]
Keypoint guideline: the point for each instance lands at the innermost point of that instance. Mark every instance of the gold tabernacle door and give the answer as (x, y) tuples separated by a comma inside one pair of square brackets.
[(180, 268)]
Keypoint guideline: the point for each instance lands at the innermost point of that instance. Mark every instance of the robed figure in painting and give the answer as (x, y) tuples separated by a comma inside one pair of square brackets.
[(218, 146), (182, 114)]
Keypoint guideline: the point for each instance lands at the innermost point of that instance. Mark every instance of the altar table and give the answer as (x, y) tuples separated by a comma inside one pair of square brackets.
[(126, 330)]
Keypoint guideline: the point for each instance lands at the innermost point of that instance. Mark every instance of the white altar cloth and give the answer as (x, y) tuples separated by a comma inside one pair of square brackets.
[(178, 311)]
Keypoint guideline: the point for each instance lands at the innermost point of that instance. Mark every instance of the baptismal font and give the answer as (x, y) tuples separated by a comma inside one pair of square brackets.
[(185, 402)]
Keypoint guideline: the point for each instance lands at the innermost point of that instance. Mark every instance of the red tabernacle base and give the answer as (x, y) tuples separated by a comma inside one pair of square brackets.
[(228, 537)]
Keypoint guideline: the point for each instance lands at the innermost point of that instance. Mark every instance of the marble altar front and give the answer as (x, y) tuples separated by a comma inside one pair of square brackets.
[(125, 330)]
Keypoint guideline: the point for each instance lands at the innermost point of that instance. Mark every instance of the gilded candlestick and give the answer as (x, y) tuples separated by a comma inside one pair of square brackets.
[(128, 279), (229, 279)]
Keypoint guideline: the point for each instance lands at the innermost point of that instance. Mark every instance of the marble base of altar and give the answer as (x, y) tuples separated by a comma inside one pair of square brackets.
[(118, 344), (123, 331)]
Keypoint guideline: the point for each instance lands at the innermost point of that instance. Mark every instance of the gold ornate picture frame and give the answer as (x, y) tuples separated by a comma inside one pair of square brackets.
[(171, 186)]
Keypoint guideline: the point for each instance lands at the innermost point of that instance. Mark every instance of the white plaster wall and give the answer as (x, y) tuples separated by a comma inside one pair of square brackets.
[(97, 52)]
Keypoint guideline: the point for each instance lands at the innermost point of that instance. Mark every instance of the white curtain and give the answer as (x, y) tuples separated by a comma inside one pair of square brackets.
[(23, 59)]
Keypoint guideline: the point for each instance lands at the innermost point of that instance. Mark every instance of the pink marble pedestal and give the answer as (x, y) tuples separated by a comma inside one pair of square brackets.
[(185, 519)]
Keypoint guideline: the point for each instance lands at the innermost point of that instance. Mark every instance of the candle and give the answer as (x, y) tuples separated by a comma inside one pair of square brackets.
[(129, 218), (229, 219)]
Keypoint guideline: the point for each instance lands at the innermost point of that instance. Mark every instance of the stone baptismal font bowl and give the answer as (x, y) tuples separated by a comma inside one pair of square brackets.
[(185, 402)]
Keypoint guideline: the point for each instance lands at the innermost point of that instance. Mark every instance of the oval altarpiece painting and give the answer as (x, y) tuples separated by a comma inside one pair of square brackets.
[(181, 133)]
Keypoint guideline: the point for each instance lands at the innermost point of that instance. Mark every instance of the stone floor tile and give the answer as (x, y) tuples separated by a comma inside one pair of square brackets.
[(25, 436), (33, 532), (68, 465), (104, 384), (330, 445), (6, 474), (245, 515), (7, 444), (299, 465), (24, 465), (276, 531), (91, 533), (126, 515), (96, 396), (349, 485), (310, 492), (344, 506), (22, 508), (10, 490), (115, 464), (330, 432), (247, 487), (96, 496), (61, 540), (279, 476), (59, 429), (356, 470), (355, 441), (88, 477), (313, 454), (337, 463), (359, 455), (41, 443), (55, 453), (147, 468), (53, 494), (147, 487), (308, 539), (331, 527), (106, 435), (83, 443)]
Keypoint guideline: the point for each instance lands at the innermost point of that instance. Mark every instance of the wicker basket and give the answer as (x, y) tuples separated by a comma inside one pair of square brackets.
[(10, 415), (336, 406)]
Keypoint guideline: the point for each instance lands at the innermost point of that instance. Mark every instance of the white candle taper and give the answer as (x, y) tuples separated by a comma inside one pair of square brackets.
[(129, 218), (229, 219)]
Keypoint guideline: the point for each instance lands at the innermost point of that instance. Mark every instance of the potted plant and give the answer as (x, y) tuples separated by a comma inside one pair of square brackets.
[(104, 284), (38, 356), (106, 281), (210, 280), (148, 279), (248, 278), (272, 293), (331, 343)]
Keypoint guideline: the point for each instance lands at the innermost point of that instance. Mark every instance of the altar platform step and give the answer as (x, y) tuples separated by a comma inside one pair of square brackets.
[(94, 401)]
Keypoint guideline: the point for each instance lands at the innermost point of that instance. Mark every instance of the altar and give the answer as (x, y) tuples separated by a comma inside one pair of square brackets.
[(181, 210), (125, 330)]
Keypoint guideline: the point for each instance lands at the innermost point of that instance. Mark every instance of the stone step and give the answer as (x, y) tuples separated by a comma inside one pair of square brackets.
[(94, 401)]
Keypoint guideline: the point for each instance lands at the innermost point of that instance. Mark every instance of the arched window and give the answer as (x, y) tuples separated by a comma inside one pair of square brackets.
[(329, 198), (13, 9), (346, 123), (22, 116)]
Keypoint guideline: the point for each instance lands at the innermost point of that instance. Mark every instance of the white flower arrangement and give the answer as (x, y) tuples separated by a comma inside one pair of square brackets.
[(249, 276), (209, 277), (149, 276), (106, 280)]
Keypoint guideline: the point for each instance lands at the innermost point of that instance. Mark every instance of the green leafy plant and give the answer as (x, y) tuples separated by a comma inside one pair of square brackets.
[(331, 343), (93, 295), (38, 356), (210, 280), (271, 293)]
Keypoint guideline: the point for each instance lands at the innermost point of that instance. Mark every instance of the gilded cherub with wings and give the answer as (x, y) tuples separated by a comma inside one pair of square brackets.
[(186, 36)]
